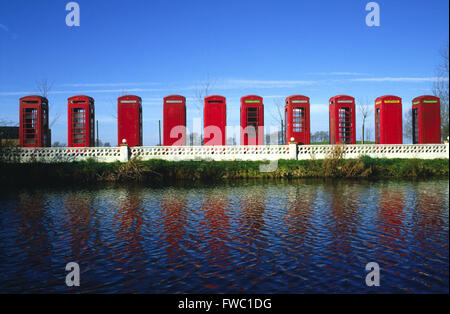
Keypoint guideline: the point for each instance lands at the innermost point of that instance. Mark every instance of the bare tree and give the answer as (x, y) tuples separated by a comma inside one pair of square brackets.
[(407, 126), (441, 89), (203, 90), (44, 86), (113, 103), (365, 109), (55, 118), (369, 133), (278, 116)]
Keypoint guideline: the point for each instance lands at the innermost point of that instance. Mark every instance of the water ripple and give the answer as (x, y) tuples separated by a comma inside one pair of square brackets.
[(301, 237)]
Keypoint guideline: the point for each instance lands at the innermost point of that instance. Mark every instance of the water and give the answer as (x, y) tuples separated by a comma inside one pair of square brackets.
[(298, 237)]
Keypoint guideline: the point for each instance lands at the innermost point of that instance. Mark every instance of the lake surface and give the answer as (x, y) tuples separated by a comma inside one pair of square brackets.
[(297, 237)]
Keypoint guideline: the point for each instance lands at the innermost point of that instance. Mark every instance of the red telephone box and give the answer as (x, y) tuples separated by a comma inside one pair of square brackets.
[(33, 130), (215, 120), (252, 120), (129, 120), (297, 120), (426, 116), (388, 120), (342, 120), (174, 120), (80, 120)]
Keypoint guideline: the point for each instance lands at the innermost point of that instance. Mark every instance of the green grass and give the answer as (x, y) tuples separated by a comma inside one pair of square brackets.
[(160, 171)]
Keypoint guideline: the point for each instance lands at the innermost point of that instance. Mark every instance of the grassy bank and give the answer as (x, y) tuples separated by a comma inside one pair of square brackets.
[(160, 171)]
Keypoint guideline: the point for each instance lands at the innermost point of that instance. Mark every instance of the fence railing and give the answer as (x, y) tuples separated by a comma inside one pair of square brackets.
[(61, 154), (421, 151), (217, 153), (261, 152)]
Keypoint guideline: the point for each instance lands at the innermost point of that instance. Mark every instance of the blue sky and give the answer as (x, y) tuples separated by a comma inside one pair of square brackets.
[(269, 48)]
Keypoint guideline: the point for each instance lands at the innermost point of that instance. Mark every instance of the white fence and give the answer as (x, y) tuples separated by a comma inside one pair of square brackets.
[(420, 151), (263, 152), (63, 154)]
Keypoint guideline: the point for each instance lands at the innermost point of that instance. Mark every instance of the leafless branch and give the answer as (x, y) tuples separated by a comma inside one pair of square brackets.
[(407, 125), (277, 114), (441, 89), (364, 107), (113, 104), (44, 87), (55, 118), (365, 110), (202, 91)]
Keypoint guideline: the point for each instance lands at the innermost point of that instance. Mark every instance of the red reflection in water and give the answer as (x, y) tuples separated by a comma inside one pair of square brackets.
[(252, 221), (82, 230), (390, 223), (217, 226), (32, 233), (299, 211), (344, 216), (248, 236), (174, 222), (429, 217), (430, 204), (391, 214), (128, 220), (342, 224)]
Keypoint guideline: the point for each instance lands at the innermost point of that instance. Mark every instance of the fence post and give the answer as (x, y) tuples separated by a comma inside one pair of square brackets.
[(293, 151), (124, 153)]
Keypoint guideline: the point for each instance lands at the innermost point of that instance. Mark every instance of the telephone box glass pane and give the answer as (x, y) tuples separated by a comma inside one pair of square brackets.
[(377, 126), (298, 119), (30, 125), (78, 125), (415, 116), (345, 125), (252, 122)]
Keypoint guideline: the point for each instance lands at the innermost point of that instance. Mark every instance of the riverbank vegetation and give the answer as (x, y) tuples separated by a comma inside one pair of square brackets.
[(160, 171)]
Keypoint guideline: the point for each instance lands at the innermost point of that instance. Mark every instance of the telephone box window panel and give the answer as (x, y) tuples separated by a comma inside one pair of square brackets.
[(33, 122), (129, 120), (297, 119), (388, 120), (174, 121), (215, 120), (252, 120), (426, 120), (80, 120), (342, 120)]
